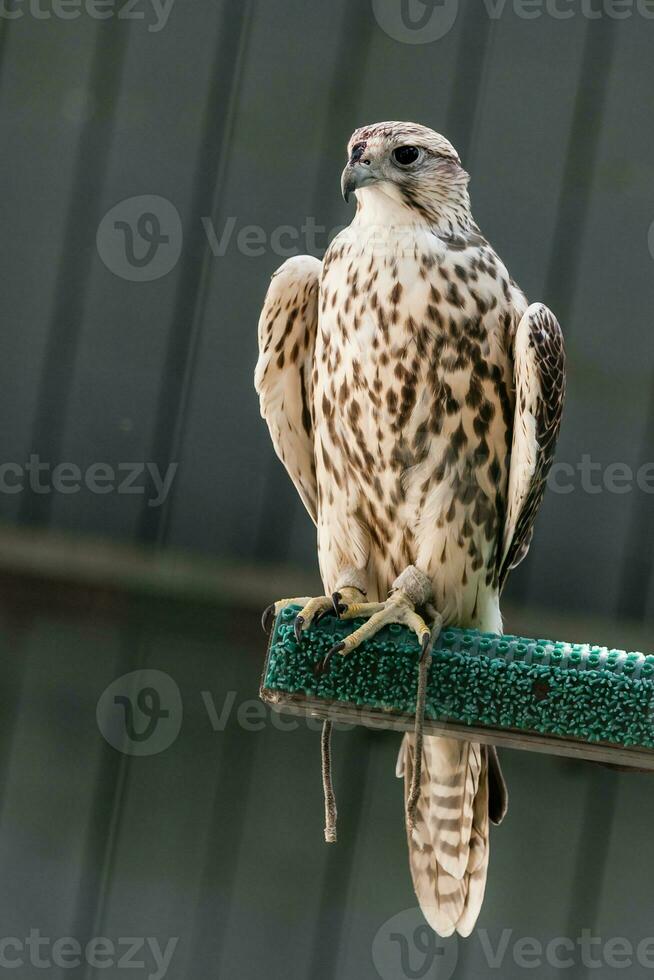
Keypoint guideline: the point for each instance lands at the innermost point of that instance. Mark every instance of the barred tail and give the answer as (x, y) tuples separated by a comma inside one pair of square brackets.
[(462, 788)]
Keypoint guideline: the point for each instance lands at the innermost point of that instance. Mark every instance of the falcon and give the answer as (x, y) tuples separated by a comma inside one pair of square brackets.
[(415, 397)]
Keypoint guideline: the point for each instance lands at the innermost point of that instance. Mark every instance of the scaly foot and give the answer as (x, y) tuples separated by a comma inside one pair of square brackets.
[(398, 608), (313, 609)]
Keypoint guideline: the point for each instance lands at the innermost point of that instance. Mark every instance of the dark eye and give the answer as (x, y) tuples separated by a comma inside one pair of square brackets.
[(404, 155)]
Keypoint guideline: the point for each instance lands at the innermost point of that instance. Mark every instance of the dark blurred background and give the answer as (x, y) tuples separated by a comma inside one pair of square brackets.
[(160, 160)]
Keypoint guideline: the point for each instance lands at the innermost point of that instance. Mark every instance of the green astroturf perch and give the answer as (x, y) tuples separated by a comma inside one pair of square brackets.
[(564, 698)]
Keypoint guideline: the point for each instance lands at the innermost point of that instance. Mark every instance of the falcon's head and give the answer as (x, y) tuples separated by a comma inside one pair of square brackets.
[(412, 165)]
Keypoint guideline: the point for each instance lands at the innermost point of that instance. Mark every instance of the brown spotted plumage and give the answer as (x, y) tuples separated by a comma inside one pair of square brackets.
[(415, 399)]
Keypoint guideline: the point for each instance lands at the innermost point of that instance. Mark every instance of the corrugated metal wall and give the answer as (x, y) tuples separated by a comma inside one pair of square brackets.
[(214, 843), (239, 113)]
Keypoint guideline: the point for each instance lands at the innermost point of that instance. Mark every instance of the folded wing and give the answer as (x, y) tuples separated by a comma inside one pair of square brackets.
[(539, 377), (283, 376)]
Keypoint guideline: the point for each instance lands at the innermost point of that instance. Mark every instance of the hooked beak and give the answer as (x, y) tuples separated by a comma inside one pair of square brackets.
[(354, 176)]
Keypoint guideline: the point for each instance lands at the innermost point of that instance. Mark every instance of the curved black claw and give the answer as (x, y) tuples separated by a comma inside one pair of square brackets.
[(297, 628), (268, 617), (325, 662), (424, 644)]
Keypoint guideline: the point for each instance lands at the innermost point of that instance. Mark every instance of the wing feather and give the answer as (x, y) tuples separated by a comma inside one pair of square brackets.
[(283, 376), (539, 376)]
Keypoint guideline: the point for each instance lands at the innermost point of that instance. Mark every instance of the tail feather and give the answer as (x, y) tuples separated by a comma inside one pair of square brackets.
[(450, 801), (474, 900), (448, 849), (479, 854), (479, 838)]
